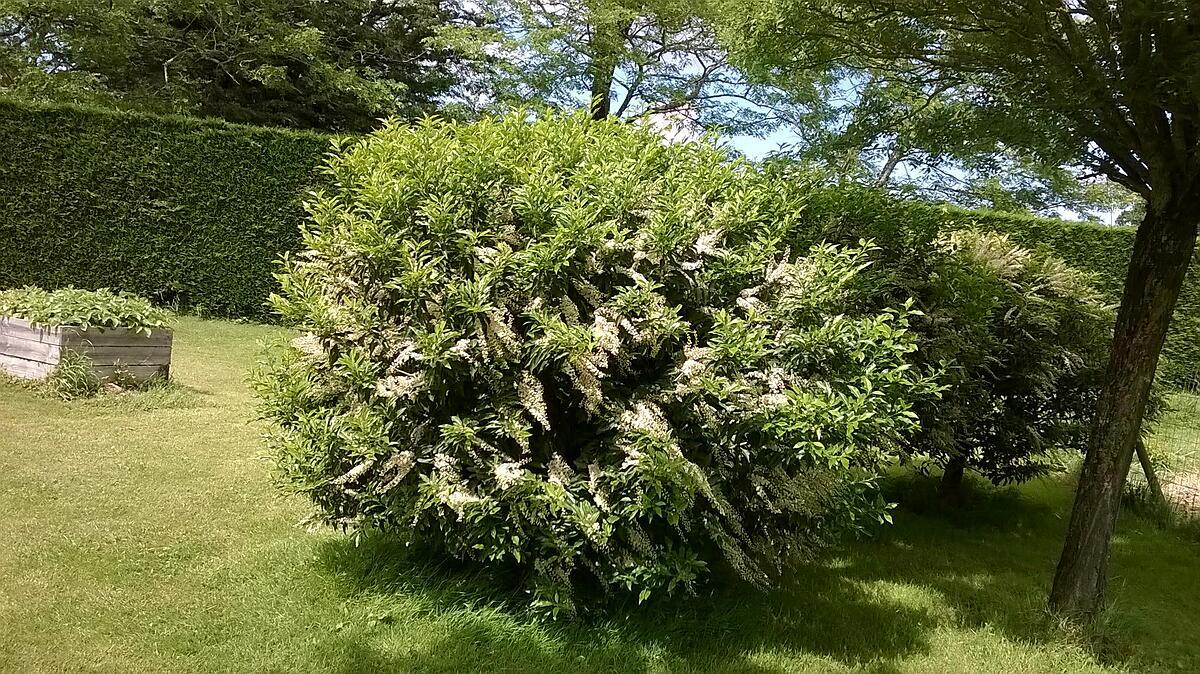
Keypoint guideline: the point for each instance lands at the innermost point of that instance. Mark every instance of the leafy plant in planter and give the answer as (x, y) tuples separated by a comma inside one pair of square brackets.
[(568, 348), (86, 309), (116, 337)]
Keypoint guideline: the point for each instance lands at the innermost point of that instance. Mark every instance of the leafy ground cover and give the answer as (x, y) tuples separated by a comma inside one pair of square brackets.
[(142, 533)]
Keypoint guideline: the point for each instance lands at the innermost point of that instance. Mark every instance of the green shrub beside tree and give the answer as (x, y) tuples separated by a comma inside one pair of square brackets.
[(571, 349), (1025, 339)]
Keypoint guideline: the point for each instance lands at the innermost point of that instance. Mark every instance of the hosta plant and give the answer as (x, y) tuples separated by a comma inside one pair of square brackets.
[(87, 309), (572, 350)]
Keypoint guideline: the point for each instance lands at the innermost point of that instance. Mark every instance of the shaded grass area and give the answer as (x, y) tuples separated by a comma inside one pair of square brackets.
[(143, 534)]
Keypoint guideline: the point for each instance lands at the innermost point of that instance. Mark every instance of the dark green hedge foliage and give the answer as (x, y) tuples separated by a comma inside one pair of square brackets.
[(195, 213), (186, 212), (910, 228)]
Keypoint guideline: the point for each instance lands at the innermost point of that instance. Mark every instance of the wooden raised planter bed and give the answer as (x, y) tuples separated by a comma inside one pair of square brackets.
[(32, 352)]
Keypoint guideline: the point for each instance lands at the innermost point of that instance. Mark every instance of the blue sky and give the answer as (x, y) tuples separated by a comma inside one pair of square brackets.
[(757, 148)]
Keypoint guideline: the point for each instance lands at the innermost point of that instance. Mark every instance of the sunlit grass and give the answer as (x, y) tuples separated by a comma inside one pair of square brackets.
[(142, 533), (1177, 435)]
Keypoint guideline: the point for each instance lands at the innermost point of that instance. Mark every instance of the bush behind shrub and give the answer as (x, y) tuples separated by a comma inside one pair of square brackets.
[(844, 213), (1026, 340)]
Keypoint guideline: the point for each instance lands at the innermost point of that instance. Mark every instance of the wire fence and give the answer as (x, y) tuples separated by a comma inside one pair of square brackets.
[(1174, 448)]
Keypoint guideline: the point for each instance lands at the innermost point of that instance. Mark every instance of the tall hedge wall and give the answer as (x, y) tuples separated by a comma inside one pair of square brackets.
[(195, 213), (184, 211)]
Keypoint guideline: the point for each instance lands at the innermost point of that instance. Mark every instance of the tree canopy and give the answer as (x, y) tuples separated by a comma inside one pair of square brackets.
[(337, 65)]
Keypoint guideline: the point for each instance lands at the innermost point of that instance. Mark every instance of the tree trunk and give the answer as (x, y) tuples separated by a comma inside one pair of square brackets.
[(1152, 482), (608, 41), (950, 489), (1161, 254)]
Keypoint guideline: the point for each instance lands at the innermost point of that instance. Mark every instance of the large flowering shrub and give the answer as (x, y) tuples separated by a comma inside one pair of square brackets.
[(569, 348)]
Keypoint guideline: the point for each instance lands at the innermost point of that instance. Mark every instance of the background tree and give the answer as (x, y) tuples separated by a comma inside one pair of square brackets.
[(334, 65), (630, 59), (1110, 87), (915, 139)]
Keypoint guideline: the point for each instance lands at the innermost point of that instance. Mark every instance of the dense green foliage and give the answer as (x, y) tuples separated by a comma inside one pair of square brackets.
[(194, 214), (1026, 340), (184, 212), (911, 228), (85, 308), (574, 349), (334, 65)]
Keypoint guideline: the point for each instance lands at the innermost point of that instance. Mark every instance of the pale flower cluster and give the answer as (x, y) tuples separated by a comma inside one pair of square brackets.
[(599, 494), (532, 397), (502, 339), (399, 386), (403, 464), (309, 345), (507, 474), (446, 467), (644, 417), (407, 353), (458, 500), (606, 332), (558, 472), (709, 243), (355, 473)]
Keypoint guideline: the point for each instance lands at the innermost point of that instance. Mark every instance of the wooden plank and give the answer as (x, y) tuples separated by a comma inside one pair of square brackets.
[(25, 369), (19, 329), (129, 355), (114, 336), (23, 340), (36, 351), (138, 372)]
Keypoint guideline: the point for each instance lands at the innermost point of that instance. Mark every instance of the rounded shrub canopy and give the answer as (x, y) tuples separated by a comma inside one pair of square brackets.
[(569, 348)]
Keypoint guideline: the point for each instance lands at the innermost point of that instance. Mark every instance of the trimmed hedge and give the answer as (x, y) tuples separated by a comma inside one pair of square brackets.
[(187, 212), (194, 213)]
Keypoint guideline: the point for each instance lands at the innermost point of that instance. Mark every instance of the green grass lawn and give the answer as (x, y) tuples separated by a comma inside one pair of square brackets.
[(142, 533), (1177, 434)]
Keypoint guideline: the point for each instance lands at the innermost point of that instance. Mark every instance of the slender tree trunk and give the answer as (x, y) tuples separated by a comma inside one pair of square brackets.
[(1162, 251), (889, 167), (950, 489), (602, 79), (607, 43), (1152, 482)]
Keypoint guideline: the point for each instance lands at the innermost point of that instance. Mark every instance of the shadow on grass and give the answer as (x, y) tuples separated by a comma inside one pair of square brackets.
[(821, 613), (874, 602), (158, 396)]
